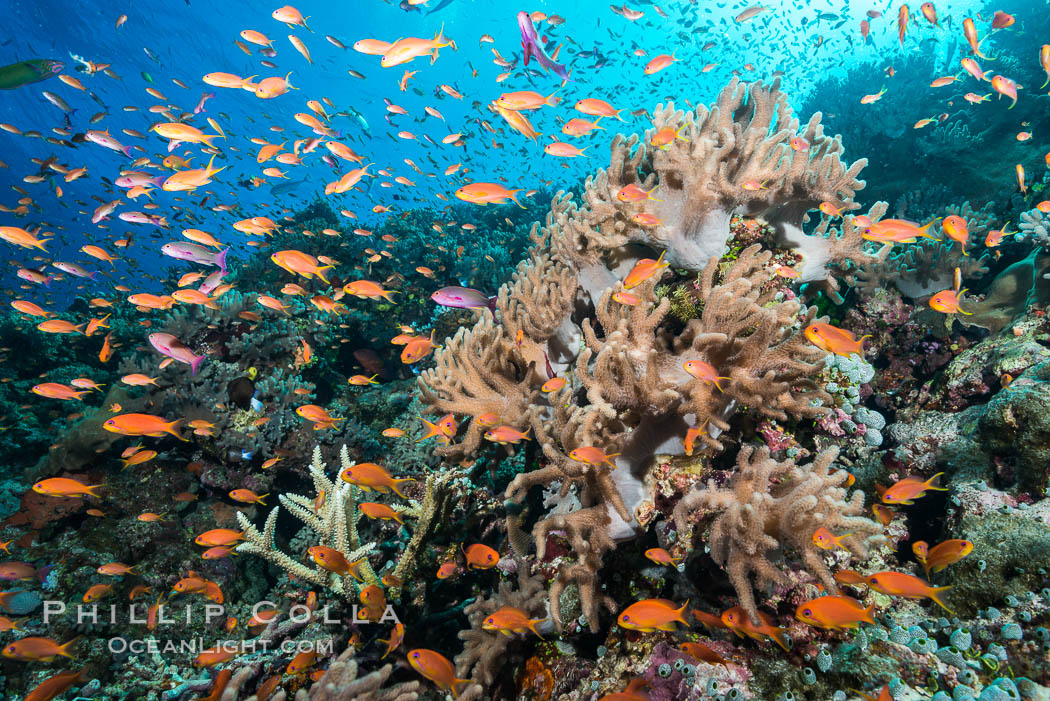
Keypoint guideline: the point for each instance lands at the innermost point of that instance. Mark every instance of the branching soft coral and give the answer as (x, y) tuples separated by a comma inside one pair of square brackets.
[(769, 506), (628, 393), (484, 655), (734, 157)]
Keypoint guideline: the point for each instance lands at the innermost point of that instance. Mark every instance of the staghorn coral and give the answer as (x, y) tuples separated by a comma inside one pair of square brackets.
[(336, 525), (339, 683), (769, 505)]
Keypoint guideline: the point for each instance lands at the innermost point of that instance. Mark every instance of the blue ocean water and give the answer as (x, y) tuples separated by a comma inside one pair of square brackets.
[(606, 53)]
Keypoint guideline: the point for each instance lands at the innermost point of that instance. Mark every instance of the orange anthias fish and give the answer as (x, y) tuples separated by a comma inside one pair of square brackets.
[(334, 561), (65, 487), (902, 23), (947, 302), (907, 586), (632, 692), (947, 553), (506, 434), (590, 455), (219, 536), (633, 193), (36, 649), (480, 557), (55, 685), (702, 653), (143, 425), (643, 270), (826, 540), (957, 229), (834, 612), (368, 476), (835, 340), (382, 512), (909, 488), (897, 231), (417, 348), (508, 620), (487, 193), (662, 557), (705, 372), (436, 667), (650, 615), (397, 636), (737, 620)]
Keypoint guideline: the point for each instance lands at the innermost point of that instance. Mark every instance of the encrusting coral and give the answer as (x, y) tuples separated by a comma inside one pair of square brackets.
[(628, 392), (769, 506), (334, 518)]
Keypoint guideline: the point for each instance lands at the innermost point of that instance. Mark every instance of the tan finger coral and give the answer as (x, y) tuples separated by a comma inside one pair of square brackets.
[(770, 507)]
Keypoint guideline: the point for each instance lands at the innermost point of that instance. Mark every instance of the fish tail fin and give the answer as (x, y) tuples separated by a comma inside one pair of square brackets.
[(126, 150), (433, 430), (515, 198), (440, 40), (173, 428), (90, 489), (261, 497), (869, 615), (397, 483), (195, 365), (455, 682), (40, 244), (390, 292), (64, 649), (220, 260), (780, 638), (935, 483), (680, 613), (552, 100), (532, 626), (935, 596), (320, 275)]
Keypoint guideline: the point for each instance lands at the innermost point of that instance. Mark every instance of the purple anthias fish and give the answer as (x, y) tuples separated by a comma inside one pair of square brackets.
[(211, 282), (463, 298), (530, 42), (74, 269), (168, 345), (196, 254)]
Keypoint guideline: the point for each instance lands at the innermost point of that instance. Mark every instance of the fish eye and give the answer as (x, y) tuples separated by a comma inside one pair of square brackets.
[(807, 612)]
